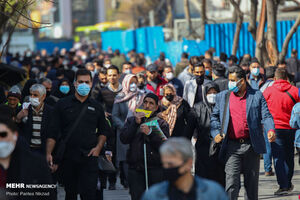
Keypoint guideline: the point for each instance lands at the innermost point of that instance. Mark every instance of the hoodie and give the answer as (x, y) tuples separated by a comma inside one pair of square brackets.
[(280, 103)]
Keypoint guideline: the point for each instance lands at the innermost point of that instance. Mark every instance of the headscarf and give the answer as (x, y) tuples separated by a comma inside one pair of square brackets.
[(135, 99), (170, 114)]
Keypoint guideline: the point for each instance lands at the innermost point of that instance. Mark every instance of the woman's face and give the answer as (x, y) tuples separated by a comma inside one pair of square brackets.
[(133, 80), (168, 91), (212, 91)]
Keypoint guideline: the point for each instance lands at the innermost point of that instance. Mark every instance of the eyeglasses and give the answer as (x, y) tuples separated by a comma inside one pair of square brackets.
[(3, 134)]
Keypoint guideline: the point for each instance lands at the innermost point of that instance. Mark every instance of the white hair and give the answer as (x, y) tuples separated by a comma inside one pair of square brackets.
[(38, 87), (47, 80), (178, 145)]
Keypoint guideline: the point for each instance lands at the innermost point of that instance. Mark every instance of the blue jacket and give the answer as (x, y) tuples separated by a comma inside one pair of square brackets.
[(295, 123), (257, 114), (205, 190)]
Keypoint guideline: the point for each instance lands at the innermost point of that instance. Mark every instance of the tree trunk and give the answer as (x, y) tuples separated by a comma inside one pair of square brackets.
[(187, 16), (271, 43), (169, 18), (235, 13), (253, 15), (239, 23), (203, 19), (288, 38), (260, 33)]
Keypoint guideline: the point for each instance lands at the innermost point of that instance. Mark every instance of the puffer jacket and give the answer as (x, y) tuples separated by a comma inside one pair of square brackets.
[(280, 103)]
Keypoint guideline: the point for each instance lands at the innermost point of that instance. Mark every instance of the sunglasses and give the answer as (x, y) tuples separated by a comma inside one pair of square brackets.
[(3, 134)]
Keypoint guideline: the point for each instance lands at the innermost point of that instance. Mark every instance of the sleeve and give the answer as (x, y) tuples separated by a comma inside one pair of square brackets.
[(129, 131), (295, 119), (215, 122), (117, 122), (103, 124), (185, 95), (54, 129), (267, 118), (191, 123)]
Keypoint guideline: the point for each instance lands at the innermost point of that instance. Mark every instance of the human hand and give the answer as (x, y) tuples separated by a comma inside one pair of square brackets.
[(218, 138), (138, 117), (145, 129), (23, 113), (271, 136), (95, 151)]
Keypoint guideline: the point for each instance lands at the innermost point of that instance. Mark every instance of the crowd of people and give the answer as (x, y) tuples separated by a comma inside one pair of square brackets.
[(82, 108)]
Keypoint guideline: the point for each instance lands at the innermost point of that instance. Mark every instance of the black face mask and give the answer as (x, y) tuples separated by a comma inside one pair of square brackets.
[(172, 174), (170, 97), (141, 86), (199, 80)]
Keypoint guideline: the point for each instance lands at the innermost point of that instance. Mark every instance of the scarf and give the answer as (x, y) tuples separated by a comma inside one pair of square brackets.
[(135, 99), (170, 114)]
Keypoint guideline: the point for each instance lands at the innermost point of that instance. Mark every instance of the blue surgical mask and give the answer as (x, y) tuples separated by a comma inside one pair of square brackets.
[(232, 86), (255, 71), (64, 89), (83, 89), (128, 71), (207, 72)]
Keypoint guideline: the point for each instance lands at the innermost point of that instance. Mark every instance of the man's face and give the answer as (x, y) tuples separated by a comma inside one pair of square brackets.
[(233, 78), (102, 78), (83, 79), (112, 76), (6, 135), (150, 104), (172, 161), (207, 56), (36, 94), (208, 67), (13, 101), (126, 67), (48, 86), (254, 65), (152, 75), (167, 70), (90, 68), (199, 71)]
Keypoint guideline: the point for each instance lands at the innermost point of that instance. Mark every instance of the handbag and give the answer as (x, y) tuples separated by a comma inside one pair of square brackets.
[(60, 152), (214, 148), (105, 165)]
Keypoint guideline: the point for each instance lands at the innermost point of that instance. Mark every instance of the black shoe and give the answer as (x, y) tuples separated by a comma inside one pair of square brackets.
[(282, 191), (112, 187), (125, 184)]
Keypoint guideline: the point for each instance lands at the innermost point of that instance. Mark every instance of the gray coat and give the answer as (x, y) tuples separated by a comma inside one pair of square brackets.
[(119, 115)]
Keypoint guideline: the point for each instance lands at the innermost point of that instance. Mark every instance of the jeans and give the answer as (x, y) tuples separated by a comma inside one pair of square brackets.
[(283, 154), (268, 155)]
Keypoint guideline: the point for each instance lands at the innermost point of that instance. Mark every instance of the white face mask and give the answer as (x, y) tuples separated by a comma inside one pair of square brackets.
[(211, 98), (132, 87), (106, 65), (6, 148), (170, 75), (34, 101)]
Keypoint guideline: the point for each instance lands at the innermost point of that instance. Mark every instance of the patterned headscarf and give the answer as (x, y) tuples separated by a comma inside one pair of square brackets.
[(135, 98), (170, 114)]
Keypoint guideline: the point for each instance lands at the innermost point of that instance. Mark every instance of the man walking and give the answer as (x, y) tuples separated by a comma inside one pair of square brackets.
[(281, 98), (79, 167), (240, 114)]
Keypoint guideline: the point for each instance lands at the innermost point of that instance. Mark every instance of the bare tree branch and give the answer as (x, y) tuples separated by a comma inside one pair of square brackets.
[(260, 33), (288, 38), (253, 15), (239, 22)]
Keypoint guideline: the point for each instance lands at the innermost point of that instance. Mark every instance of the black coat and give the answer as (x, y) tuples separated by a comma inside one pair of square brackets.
[(26, 128), (29, 168), (131, 135), (183, 113)]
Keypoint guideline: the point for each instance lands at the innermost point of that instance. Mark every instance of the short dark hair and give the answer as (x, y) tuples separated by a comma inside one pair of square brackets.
[(281, 62), (11, 125), (113, 67), (281, 74), (219, 70), (117, 52), (185, 55), (193, 60), (223, 57), (83, 72), (127, 63), (198, 64), (233, 58), (270, 72), (103, 70), (209, 52), (207, 61), (240, 73)]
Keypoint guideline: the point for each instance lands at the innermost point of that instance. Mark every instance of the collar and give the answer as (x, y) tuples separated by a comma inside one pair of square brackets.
[(40, 110), (76, 100), (113, 90), (252, 78)]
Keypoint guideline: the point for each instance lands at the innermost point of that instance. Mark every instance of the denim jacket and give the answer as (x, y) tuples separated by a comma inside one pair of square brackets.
[(295, 123), (205, 190)]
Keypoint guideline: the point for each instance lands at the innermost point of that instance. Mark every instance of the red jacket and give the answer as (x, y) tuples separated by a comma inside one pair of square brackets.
[(279, 102), (159, 88)]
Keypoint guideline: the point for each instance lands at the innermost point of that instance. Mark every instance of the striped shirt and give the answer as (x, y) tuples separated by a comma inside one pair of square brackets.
[(36, 140)]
